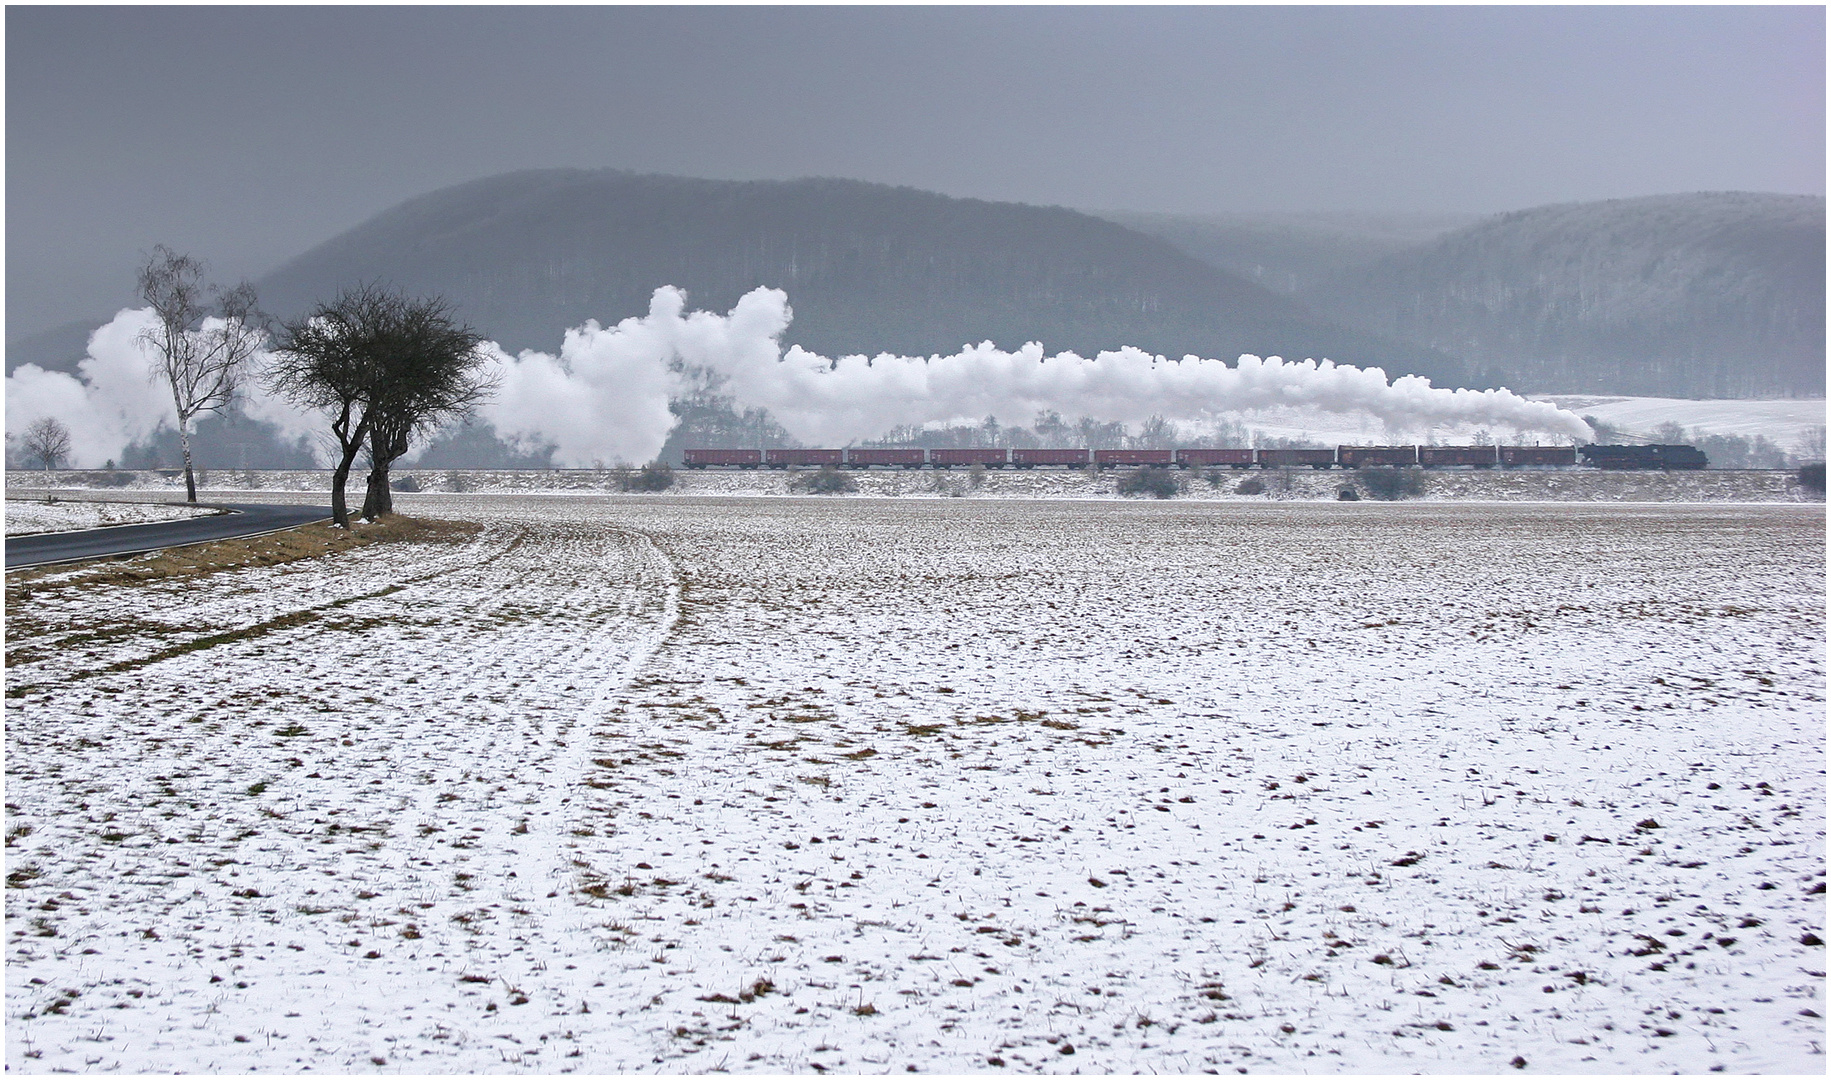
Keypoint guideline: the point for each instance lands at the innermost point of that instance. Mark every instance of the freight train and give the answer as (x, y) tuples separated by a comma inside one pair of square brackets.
[(1346, 457)]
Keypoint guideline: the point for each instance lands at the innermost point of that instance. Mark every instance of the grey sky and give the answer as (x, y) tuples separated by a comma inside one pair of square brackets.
[(246, 135)]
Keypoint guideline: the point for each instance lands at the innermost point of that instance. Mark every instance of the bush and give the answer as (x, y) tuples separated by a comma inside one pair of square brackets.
[(1250, 487), (828, 481), (1347, 494), (976, 475), (1391, 484), (655, 476), (1812, 477), (408, 482), (1215, 477), (107, 478), (1148, 481)]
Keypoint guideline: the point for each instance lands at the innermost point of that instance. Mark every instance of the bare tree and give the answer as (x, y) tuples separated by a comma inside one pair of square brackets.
[(202, 364), (383, 367), (47, 441), (433, 374)]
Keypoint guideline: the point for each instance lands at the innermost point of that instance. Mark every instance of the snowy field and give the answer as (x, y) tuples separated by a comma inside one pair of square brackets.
[(675, 785), (24, 516), (1787, 422)]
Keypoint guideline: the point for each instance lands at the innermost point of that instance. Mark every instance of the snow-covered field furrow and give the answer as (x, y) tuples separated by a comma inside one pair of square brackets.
[(862, 785)]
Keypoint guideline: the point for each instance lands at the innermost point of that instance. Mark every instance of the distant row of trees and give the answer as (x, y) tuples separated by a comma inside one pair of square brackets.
[(383, 366)]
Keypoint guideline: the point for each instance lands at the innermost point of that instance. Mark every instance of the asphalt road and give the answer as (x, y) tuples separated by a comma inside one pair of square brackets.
[(243, 519)]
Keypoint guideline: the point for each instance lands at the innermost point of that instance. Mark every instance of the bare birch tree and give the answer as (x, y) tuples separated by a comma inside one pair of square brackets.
[(200, 361)]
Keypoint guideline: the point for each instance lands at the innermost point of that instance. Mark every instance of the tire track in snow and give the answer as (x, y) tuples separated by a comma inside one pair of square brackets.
[(463, 688)]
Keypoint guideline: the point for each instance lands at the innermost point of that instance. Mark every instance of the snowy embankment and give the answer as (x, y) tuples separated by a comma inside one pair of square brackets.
[(1280, 485), (1789, 422), (959, 786), (27, 516)]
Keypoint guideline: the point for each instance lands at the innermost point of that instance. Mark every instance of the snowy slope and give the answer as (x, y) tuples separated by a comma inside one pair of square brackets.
[(1785, 421)]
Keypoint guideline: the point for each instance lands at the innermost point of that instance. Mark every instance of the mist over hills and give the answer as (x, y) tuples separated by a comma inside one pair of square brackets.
[(1706, 295), (1711, 295), (868, 268), (1291, 253)]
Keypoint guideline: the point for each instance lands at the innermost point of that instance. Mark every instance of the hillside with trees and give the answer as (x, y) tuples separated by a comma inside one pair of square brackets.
[(1706, 295), (868, 268), (1288, 252)]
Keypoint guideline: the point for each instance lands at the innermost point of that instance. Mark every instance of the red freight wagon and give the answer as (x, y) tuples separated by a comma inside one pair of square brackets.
[(948, 459), (902, 458), (1513, 457), (1029, 459), (1277, 459), (1196, 459), (742, 459), (1359, 457), (1106, 459), (793, 459), (1437, 457)]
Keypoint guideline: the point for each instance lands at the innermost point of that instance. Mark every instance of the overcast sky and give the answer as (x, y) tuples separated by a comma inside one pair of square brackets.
[(246, 135)]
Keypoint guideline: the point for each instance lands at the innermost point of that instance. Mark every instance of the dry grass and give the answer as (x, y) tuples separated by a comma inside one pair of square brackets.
[(274, 549)]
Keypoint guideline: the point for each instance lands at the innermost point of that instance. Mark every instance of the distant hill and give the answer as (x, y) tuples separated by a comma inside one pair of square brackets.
[(868, 268), (1702, 296), (1290, 252)]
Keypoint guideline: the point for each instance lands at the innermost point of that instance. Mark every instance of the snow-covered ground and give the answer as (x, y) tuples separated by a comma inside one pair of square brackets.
[(1787, 422), (25, 516), (633, 784)]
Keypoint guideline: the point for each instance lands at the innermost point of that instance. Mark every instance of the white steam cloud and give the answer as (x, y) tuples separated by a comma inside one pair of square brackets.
[(113, 399), (604, 398)]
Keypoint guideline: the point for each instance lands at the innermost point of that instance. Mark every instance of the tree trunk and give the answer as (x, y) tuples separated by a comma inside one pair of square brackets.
[(340, 512), (184, 446), (376, 493), (384, 450)]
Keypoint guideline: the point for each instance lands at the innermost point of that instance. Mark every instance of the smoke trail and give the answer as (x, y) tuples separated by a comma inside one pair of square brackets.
[(604, 396), (113, 399)]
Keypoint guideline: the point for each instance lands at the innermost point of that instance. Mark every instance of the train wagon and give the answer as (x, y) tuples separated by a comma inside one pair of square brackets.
[(1446, 457), (802, 458), (1657, 456), (1361, 457), (1046, 456), (1515, 457), (1284, 459), (1210, 458), (962, 458), (898, 458), (738, 459), (1107, 459)]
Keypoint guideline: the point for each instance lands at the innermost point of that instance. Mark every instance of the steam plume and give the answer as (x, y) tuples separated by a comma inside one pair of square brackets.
[(605, 396), (113, 400)]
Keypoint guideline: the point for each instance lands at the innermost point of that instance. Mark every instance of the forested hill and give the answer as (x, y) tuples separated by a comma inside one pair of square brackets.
[(1705, 295), (868, 268)]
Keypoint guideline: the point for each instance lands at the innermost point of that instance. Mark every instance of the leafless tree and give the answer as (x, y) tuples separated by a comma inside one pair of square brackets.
[(47, 441), (383, 367), (201, 362), (434, 373)]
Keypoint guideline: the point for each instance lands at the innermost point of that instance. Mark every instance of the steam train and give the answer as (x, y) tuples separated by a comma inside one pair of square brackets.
[(1346, 457)]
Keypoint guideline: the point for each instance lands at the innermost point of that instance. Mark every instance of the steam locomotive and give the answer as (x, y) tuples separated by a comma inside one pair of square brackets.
[(1346, 457)]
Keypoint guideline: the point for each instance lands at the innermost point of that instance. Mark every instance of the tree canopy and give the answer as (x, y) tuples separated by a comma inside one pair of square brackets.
[(385, 367)]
